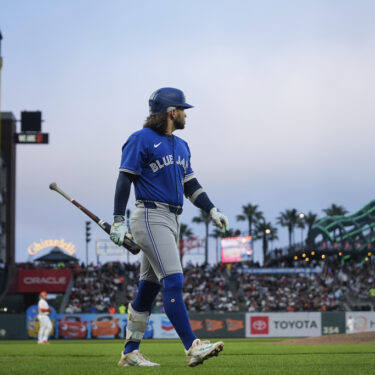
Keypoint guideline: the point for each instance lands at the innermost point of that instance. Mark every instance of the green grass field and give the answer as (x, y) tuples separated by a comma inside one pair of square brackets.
[(240, 356)]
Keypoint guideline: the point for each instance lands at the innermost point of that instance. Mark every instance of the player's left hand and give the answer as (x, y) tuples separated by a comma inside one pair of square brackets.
[(219, 219)]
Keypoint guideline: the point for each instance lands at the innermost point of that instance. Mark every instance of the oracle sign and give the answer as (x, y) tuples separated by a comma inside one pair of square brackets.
[(34, 281)]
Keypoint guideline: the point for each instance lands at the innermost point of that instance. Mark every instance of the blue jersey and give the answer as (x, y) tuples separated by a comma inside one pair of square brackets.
[(162, 163)]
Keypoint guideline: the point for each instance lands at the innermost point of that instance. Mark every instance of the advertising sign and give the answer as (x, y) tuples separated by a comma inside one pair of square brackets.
[(96, 326), (32, 322), (300, 324), (218, 325), (78, 326), (51, 280), (236, 249), (163, 328), (360, 321), (283, 270)]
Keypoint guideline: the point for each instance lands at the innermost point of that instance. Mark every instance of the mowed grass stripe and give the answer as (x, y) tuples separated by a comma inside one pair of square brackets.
[(240, 356)]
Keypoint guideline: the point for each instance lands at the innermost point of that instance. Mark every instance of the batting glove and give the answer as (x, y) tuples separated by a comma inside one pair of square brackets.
[(119, 230), (219, 219)]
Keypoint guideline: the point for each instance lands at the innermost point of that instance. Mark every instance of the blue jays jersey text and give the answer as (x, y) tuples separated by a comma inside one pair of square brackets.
[(162, 163)]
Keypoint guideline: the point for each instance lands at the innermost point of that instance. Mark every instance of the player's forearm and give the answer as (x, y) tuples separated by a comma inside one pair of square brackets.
[(195, 193), (122, 193)]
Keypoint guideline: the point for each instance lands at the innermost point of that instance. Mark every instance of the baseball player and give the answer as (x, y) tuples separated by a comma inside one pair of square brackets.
[(158, 164), (350, 324), (45, 324)]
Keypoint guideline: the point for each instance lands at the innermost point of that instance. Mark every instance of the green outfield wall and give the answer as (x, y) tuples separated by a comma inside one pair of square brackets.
[(12, 326)]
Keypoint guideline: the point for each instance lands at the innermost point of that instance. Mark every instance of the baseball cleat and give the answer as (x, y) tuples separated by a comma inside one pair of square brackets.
[(135, 358), (202, 350)]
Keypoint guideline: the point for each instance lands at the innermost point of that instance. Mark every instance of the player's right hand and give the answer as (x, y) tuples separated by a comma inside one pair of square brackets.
[(119, 230), (219, 219)]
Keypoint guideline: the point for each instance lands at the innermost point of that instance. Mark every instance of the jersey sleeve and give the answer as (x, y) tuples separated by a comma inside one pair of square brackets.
[(189, 174), (133, 155)]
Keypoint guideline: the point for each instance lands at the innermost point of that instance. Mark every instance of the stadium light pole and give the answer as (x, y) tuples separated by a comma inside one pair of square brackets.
[(267, 232), (302, 216), (88, 239)]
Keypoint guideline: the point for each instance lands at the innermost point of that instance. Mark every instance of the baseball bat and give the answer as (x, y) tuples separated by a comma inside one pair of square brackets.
[(128, 243)]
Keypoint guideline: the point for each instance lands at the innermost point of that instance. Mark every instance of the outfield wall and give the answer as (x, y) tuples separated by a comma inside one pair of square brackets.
[(210, 325)]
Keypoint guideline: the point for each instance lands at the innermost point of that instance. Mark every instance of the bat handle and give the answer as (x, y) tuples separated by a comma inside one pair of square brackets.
[(105, 226), (129, 244)]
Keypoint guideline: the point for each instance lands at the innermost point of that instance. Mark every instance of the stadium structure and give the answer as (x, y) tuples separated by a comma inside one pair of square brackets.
[(354, 233), (345, 237)]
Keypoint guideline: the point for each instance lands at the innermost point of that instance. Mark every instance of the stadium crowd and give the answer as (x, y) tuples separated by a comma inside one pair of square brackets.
[(226, 288), (96, 289)]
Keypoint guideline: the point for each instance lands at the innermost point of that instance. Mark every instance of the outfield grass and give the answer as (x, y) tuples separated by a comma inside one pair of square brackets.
[(240, 356)]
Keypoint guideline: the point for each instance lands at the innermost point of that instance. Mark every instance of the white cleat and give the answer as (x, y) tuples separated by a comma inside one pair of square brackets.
[(202, 350), (135, 358)]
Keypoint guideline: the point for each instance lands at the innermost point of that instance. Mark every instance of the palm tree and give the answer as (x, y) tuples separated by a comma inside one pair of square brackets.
[(185, 233), (251, 214), (204, 218), (335, 210), (289, 219), (217, 233), (310, 219), (265, 232)]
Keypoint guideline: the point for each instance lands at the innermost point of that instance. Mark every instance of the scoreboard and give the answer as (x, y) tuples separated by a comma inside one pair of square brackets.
[(236, 249), (31, 129), (31, 138)]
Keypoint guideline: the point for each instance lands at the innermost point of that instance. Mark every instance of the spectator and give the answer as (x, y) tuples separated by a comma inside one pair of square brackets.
[(122, 309), (112, 310)]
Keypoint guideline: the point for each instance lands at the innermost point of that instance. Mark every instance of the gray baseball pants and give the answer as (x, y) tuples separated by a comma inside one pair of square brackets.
[(156, 231)]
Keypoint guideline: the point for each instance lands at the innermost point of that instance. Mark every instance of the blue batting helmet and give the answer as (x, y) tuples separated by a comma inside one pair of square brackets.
[(167, 97)]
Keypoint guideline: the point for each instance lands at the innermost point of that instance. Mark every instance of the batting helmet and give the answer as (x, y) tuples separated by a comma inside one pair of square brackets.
[(43, 294), (167, 97)]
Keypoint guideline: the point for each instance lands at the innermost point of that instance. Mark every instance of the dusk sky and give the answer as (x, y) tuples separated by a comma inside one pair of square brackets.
[(283, 95)]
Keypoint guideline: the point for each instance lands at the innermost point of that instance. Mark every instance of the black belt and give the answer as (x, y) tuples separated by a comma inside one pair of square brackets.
[(174, 209)]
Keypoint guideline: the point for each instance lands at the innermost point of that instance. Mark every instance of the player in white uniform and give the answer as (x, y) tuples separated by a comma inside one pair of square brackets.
[(44, 320), (350, 324)]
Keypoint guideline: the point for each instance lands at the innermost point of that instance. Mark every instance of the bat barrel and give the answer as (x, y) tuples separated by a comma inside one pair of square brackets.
[(53, 186), (128, 244)]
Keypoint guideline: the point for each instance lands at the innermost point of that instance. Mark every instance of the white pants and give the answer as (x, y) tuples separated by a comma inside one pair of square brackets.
[(44, 328)]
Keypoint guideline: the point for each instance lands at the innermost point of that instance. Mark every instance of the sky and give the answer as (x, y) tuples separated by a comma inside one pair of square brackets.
[(283, 95)]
